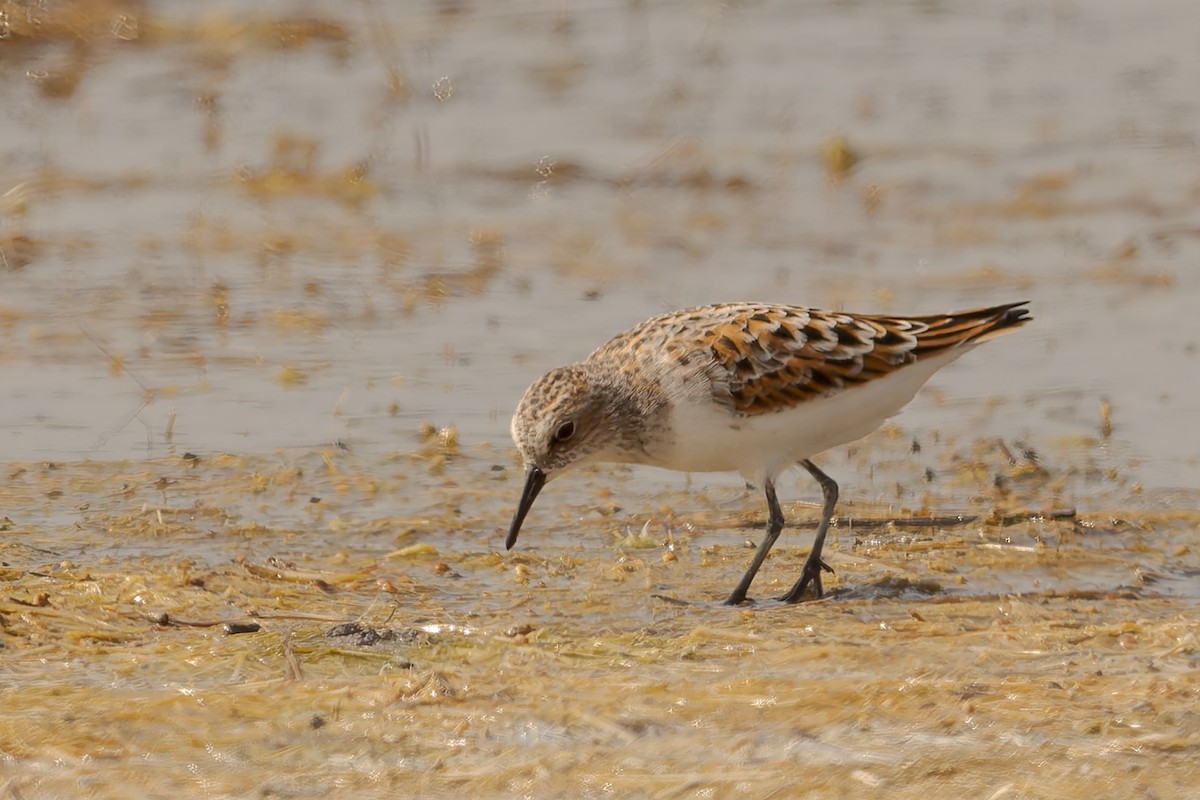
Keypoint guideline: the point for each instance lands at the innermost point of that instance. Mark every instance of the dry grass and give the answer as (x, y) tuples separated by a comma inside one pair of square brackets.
[(384, 655)]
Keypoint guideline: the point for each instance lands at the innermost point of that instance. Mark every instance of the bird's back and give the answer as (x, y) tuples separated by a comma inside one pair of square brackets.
[(756, 382)]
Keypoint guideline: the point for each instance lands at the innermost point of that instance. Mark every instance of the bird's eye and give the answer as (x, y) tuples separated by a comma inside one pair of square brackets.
[(565, 431)]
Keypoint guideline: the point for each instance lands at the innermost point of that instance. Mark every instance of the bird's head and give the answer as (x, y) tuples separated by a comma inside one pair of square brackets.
[(564, 420)]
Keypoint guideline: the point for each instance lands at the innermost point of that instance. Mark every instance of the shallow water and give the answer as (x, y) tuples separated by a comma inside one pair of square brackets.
[(205, 214), (271, 285)]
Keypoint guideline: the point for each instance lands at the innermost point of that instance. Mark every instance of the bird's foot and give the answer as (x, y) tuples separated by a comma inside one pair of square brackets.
[(811, 574), (735, 599)]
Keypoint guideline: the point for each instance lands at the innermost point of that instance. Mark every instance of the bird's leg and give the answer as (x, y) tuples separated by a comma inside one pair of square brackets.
[(774, 526), (813, 564)]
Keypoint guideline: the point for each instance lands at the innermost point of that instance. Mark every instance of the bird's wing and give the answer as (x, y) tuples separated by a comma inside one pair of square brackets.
[(763, 358)]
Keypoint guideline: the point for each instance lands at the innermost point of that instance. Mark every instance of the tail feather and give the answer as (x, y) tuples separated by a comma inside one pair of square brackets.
[(970, 327)]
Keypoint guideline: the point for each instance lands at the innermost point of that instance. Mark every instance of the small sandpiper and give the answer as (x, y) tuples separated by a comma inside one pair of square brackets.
[(748, 387)]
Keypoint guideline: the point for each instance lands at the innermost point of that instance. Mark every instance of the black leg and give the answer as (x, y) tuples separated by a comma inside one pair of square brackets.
[(774, 526), (813, 565)]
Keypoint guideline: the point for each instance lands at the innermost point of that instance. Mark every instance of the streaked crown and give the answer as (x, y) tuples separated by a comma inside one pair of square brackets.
[(562, 420)]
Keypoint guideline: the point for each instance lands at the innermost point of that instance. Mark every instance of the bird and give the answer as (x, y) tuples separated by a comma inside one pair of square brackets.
[(746, 387)]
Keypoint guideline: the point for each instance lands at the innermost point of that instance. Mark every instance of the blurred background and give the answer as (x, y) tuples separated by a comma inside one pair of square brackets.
[(242, 229)]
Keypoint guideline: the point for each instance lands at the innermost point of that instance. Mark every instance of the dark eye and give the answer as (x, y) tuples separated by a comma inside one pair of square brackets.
[(564, 432)]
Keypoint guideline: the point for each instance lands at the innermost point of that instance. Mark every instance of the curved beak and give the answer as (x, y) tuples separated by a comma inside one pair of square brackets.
[(535, 479)]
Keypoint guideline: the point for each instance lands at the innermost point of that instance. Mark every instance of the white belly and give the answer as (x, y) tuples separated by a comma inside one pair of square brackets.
[(705, 437)]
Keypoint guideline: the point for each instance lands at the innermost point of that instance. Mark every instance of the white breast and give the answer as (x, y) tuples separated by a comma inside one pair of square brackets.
[(705, 437)]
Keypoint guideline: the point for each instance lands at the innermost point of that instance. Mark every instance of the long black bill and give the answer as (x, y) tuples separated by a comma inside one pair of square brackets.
[(535, 479)]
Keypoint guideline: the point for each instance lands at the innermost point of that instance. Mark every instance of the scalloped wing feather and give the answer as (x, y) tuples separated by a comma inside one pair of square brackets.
[(764, 358)]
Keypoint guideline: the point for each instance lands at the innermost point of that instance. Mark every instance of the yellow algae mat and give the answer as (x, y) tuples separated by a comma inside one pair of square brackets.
[(228, 627)]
